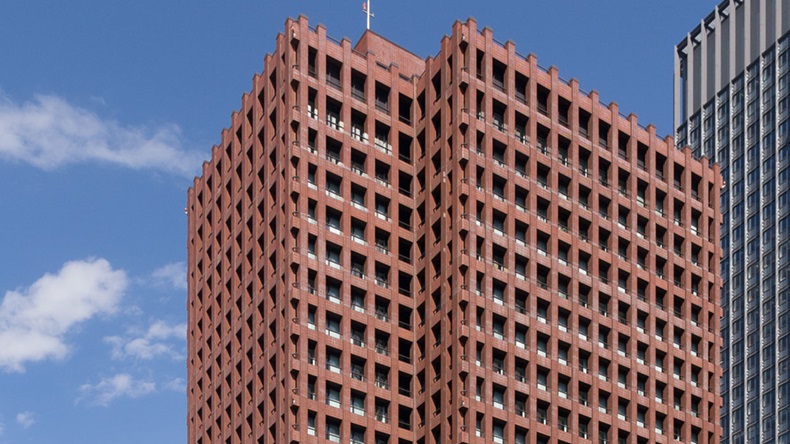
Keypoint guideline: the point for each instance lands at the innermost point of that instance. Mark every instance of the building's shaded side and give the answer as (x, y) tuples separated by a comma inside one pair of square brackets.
[(462, 249)]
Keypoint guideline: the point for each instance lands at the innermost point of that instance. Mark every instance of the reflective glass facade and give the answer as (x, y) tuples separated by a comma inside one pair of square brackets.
[(731, 105)]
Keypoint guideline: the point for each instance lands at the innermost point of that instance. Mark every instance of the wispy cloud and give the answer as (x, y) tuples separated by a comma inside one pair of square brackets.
[(49, 132), (118, 386), (34, 321), (160, 339), (25, 419), (176, 385), (173, 274)]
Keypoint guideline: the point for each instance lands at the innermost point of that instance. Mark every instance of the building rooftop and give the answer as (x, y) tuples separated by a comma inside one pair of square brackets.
[(409, 63)]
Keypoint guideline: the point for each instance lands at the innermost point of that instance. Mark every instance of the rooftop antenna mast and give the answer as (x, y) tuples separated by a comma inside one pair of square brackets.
[(366, 10)]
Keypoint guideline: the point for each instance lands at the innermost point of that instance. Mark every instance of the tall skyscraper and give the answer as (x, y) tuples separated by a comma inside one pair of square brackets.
[(731, 105), (461, 249)]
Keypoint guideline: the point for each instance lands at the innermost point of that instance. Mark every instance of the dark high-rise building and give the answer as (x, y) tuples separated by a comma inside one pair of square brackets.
[(731, 105), (459, 249)]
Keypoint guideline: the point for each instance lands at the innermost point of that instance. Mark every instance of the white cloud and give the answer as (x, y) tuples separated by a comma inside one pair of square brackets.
[(34, 321), (121, 385), (176, 385), (50, 132), (158, 340), (25, 419), (173, 274)]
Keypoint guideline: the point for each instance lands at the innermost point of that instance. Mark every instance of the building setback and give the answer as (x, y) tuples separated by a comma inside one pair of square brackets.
[(731, 105), (464, 248)]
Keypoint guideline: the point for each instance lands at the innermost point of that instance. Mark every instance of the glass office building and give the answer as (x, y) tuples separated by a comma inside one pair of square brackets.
[(731, 105)]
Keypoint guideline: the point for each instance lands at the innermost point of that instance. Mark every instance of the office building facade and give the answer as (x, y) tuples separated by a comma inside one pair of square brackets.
[(459, 249), (731, 105)]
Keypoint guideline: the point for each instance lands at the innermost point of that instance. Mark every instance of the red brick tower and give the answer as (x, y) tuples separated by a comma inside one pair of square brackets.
[(386, 249)]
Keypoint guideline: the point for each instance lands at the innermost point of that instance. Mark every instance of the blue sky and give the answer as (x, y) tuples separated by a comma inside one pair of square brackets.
[(107, 109)]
